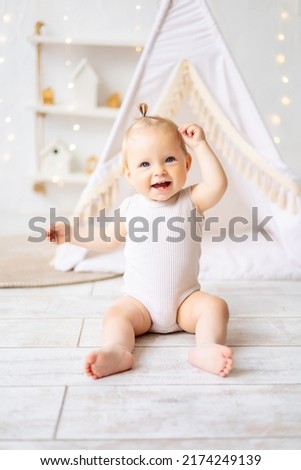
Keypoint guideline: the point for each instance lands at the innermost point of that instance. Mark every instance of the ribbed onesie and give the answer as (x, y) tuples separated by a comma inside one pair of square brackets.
[(162, 258)]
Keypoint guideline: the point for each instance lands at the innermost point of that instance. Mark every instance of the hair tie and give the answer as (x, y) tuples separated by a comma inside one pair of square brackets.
[(143, 109)]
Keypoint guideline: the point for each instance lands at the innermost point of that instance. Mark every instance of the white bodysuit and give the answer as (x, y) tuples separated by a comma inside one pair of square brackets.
[(162, 259)]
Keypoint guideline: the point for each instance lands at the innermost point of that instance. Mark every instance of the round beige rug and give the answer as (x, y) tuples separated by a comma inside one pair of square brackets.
[(27, 264)]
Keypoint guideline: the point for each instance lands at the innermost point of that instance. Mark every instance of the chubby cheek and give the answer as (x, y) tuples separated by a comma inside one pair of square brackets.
[(144, 183), (140, 182)]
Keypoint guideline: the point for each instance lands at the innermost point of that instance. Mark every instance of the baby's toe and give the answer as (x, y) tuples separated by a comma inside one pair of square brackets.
[(227, 352), (229, 366), (224, 372)]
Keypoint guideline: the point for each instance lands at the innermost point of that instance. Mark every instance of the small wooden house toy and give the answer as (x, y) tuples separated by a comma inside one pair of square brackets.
[(55, 160), (85, 85)]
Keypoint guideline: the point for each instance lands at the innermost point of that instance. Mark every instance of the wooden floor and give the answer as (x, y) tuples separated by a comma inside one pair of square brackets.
[(46, 402)]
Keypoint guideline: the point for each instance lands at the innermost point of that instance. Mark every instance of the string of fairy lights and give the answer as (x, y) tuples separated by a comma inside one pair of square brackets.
[(281, 58), (10, 135), (6, 36), (66, 17), (283, 38)]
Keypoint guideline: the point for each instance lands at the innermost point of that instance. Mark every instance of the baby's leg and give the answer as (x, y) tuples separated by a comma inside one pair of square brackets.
[(123, 321), (207, 316)]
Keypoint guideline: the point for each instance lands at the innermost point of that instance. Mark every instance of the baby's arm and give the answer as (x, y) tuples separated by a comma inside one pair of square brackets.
[(113, 237), (214, 181)]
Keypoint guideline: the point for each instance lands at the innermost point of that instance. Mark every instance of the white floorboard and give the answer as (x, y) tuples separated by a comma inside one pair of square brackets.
[(242, 332), (55, 367), (30, 412), (46, 402), (174, 412), (290, 443), (29, 333)]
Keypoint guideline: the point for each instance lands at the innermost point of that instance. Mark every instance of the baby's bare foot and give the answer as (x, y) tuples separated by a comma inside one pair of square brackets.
[(214, 358), (108, 361)]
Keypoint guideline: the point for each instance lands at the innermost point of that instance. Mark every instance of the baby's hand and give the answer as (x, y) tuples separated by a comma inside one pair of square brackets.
[(192, 134), (59, 233)]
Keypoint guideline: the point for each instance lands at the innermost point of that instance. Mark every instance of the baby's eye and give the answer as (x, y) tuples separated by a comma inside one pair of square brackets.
[(144, 164), (170, 159)]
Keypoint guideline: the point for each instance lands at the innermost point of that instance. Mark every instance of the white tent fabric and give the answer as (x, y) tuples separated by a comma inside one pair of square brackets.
[(186, 73)]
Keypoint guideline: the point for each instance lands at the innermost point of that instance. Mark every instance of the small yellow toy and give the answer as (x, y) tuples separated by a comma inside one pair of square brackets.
[(91, 163), (48, 96), (114, 100)]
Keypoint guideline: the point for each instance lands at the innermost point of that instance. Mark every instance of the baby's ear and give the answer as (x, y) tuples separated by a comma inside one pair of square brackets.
[(188, 161), (127, 174), (125, 171)]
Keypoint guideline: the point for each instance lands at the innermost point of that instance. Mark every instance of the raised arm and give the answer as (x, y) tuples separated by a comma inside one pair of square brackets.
[(214, 181)]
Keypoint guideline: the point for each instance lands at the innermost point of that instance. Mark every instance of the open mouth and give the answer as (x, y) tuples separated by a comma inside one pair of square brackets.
[(163, 185)]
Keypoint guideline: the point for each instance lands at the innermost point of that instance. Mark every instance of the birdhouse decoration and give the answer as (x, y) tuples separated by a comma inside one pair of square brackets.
[(55, 160), (85, 85)]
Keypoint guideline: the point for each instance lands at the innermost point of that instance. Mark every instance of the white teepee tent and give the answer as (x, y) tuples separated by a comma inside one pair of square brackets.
[(186, 73)]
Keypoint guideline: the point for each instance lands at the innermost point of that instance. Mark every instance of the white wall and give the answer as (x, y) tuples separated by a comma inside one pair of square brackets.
[(250, 28), (86, 20)]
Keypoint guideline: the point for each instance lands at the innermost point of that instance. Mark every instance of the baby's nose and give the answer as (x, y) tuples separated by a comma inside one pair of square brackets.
[(160, 170)]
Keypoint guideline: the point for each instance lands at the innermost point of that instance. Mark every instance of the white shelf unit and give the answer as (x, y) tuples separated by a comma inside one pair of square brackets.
[(101, 117), (70, 110), (104, 41), (60, 181)]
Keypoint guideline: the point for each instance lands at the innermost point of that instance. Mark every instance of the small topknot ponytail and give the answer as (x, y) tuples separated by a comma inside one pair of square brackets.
[(145, 122), (143, 108)]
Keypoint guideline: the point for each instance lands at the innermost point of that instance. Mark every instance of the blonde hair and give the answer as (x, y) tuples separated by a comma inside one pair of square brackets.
[(145, 122)]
